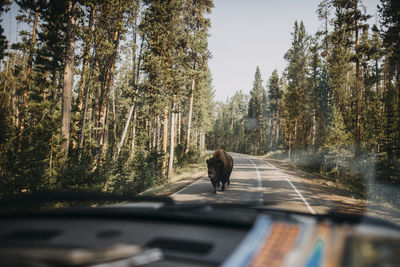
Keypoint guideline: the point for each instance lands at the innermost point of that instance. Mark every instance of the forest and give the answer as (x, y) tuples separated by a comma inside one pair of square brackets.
[(116, 95), (335, 110), (109, 95)]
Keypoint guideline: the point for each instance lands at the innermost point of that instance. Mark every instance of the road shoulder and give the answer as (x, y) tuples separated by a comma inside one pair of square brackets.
[(176, 184), (344, 200)]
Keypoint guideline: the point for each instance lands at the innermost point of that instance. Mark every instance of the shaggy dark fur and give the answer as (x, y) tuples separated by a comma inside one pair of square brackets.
[(220, 167)]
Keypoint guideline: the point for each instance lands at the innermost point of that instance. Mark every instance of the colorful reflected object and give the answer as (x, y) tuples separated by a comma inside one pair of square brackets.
[(317, 255)]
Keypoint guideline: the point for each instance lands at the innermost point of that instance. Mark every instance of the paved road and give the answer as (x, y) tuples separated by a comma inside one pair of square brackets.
[(259, 181)]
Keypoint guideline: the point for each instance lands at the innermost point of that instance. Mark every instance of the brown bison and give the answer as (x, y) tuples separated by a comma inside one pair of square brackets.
[(220, 166)]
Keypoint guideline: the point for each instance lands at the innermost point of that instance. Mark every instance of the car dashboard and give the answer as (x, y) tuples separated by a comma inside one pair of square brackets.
[(200, 235)]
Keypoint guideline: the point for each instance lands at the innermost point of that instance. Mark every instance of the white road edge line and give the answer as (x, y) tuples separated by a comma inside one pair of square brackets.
[(259, 184), (295, 189), (177, 192), (301, 196)]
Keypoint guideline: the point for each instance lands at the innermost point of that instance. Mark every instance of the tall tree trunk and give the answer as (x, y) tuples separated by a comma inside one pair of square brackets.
[(277, 129), (202, 141), (154, 133), (68, 78), (85, 63), (114, 123), (96, 102), (82, 135), (358, 92), (105, 99), (290, 144), (28, 81), (158, 131), (187, 146), (388, 110), (135, 82), (124, 132), (196, 138), (164, 143), (149, 131), (83, 93), (14, 106), (179, 127), (172, 142), (133, 134), (272, 132), (295, 140)]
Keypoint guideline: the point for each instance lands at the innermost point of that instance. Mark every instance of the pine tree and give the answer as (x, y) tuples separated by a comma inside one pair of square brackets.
[(295, 98), (339, 67), (68, 77), (275, 101), (32, 9), (4, 6), (255, 112), (390, 20), (163, 30), (337, 139), (196, 28)]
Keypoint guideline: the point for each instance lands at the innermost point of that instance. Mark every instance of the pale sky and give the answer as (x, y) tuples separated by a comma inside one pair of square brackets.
[(250, 33), (245, 34)]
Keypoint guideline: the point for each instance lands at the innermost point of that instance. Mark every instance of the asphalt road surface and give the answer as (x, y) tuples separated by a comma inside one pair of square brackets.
[(257, 180)]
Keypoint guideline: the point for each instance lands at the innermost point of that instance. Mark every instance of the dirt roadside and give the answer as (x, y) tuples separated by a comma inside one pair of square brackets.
[(346, 203), (176, 184)]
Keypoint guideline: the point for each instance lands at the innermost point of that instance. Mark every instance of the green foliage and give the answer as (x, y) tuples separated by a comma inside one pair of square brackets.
[(113, 73), (4, 6), (295, 99), (230, 125), (274, 110), (8, 136), (183, 159), (256, 114)]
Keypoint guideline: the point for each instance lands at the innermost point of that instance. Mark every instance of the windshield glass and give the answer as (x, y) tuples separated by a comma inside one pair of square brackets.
[(291, 104)]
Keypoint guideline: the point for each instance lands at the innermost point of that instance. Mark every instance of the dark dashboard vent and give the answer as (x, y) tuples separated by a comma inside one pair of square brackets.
[(31, 235), (105, 234), (181, 245)]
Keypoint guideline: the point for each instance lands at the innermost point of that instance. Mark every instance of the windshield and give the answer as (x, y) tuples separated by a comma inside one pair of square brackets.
[(292, 105)]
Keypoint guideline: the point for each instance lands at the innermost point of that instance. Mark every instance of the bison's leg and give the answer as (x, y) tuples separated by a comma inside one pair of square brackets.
[(223, 181), (229, 177), (214, 183)]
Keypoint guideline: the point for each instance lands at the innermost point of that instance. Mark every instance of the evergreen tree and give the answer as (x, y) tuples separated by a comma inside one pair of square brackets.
[(389, 11), (196, 29), (295, 99), (336, 142), (4, 6), (68, 76), (339, 67), (275, 101), (163, 30), (255, 113)]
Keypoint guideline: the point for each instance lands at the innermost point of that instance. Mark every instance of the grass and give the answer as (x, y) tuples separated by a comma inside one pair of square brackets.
[(188, 171)]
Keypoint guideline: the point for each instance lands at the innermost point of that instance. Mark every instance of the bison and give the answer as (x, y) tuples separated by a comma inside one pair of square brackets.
[(219, 166)]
